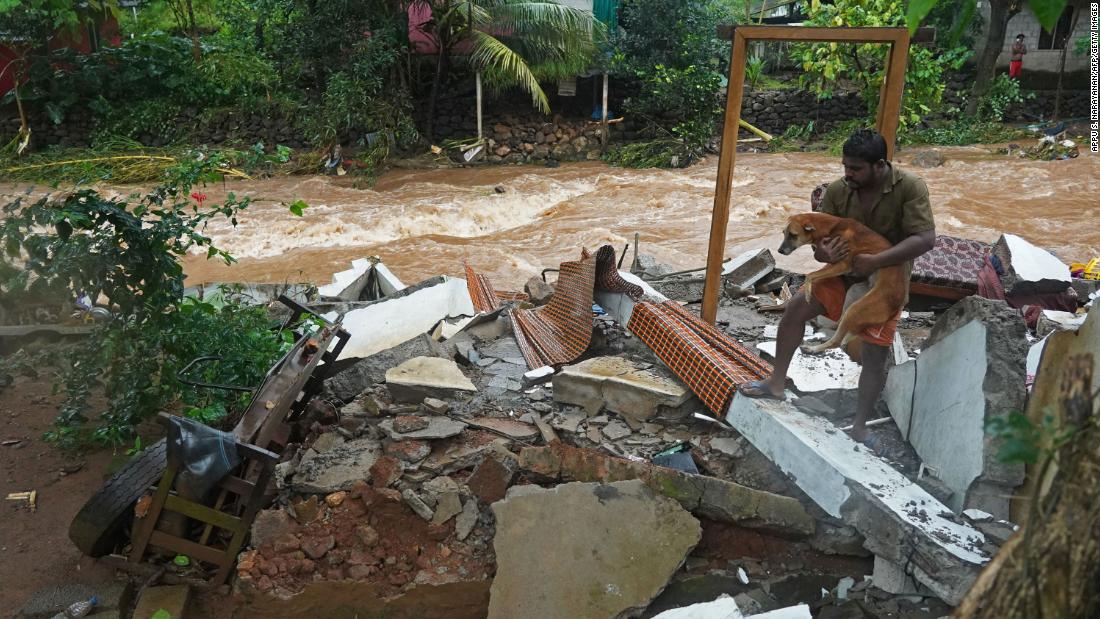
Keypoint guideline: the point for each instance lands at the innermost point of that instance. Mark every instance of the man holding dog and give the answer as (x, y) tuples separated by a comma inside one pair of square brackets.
[(893, 203)]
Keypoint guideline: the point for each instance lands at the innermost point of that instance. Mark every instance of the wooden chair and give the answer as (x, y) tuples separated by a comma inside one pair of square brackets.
[(223, 515)]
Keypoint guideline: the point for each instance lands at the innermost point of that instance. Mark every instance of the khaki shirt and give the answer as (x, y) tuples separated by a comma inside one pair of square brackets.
[(900, 212)]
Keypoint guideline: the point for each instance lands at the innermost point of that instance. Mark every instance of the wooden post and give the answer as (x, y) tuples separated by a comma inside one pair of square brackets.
[(603, 114), (720, 215), (889, 101)]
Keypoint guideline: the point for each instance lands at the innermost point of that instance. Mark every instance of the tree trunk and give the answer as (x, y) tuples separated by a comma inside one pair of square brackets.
[(1050, 567), (440, 69), (1000, 11), (1062, 63), (196, 50)]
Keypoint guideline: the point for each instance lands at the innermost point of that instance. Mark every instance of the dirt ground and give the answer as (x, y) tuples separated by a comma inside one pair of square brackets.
[(35, 550)]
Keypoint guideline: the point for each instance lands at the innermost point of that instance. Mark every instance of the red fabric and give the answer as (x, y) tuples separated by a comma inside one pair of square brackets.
[(830, 292), (989, 283), (1015, 67)]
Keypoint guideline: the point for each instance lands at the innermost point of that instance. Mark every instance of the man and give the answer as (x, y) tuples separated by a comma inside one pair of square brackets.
[(894, 204), (1017, 63)]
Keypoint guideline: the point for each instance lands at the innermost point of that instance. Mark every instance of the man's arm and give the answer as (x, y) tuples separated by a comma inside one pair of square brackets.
[(909, 248)]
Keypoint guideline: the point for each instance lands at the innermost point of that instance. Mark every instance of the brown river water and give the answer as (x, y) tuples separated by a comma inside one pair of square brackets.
[(427, 222)]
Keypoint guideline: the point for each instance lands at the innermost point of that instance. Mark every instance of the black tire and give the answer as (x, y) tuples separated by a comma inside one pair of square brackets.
[(98, 525)]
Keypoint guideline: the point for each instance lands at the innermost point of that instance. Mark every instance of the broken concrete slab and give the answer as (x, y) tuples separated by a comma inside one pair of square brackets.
[(350, 285), (417, 504), (1029, 269), (512, 429), (722, 608), (351, 380), (620, 306), (467, 519), (336, 469), (622, 387), (973, 368), (624, 567), (404, 315), (831, 369), (708, 496), (490, 480), (537, 376), (900, 521), (437, 428), (427, 377), (739, 276), (538, 291), (1053, 320), (616, 430)]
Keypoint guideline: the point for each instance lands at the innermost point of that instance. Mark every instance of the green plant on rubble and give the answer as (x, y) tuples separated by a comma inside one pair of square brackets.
[(130, 252)]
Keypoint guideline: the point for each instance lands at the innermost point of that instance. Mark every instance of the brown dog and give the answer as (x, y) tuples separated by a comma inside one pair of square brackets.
[(880, 304)]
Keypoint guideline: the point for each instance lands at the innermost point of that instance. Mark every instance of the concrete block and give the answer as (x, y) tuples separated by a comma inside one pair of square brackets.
[(350, 284), (740, 275), (351, 380), (899, 520), (621, 387), (891, 578), (427, 377), (972, 368), (1053, 320), (620, 306), (1030, 269), (831, 369), (404, 315)]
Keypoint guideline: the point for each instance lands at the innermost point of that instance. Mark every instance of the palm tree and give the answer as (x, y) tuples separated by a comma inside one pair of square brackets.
[(515, 43)]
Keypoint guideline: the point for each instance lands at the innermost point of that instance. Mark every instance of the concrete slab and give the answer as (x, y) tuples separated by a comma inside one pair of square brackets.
[(740, 275), (337, 468), (427, 377), (599, 567), (901, 522), (620, 386), (1030, 269), (438, 427), (348, 285), (722, 608), (831, 369), (620, 306), (401, 317), (972, 369)]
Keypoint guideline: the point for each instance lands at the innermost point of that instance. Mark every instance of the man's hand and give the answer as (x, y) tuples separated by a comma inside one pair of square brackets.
[(864, 264), (832, 250)]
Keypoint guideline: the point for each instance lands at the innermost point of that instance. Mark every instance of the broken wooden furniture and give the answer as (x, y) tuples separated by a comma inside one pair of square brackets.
[(281, 398), (239, 500)]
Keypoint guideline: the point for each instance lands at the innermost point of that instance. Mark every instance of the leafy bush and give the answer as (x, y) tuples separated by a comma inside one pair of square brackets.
[(754, 70), (130, 253), (828, 66), (675, 69), (1003, 93)]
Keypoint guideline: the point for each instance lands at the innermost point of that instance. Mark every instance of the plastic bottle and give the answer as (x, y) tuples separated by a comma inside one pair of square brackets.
[(77, 609)]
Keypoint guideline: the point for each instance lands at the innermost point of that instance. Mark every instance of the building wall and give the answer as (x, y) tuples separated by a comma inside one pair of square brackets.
[(1038, 59)]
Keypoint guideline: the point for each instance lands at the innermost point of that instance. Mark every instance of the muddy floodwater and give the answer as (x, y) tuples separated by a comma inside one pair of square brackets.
[(512, 221)]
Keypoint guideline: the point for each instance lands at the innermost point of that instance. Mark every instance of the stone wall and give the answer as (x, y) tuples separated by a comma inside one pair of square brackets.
[(775, 110)]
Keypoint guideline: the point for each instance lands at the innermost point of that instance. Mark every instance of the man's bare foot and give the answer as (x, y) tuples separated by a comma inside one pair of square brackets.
[(761, 389)]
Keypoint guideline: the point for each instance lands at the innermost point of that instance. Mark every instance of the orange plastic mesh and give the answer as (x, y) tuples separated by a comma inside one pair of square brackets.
[(710, 363), (560, 331)]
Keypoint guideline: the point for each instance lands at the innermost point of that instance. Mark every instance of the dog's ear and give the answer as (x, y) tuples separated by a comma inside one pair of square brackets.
[(808, 228)]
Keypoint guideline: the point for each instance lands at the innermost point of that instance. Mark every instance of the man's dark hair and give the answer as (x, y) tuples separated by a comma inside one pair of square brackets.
[(1020, 36), (866, 144)]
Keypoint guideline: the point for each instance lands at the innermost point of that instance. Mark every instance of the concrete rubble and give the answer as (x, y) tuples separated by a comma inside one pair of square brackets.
[(453, 480), (972, 369), (623, 567), (1029, 269)]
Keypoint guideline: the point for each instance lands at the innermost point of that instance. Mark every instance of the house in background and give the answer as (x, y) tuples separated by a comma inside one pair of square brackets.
[(1044, 50), (103, 32)]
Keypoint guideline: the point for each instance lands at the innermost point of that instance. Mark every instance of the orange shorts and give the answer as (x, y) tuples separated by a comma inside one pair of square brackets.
[(831, 292)]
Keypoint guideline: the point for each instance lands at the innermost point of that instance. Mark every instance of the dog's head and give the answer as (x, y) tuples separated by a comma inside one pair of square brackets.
[(798, 232)]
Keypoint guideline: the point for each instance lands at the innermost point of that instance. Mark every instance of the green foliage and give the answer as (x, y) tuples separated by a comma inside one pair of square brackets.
[(754, 71), (675, 68), (1003, 93), (156, 118), (830, 65), (1046, 11), (1023, 441), (130, 253), (961, 132), (659, 153)]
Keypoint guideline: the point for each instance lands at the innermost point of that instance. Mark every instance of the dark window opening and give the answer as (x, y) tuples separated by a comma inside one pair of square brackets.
[(1057, 39)]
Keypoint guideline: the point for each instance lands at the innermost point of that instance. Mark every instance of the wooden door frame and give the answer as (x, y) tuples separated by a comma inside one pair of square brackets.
[(886, 122)]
